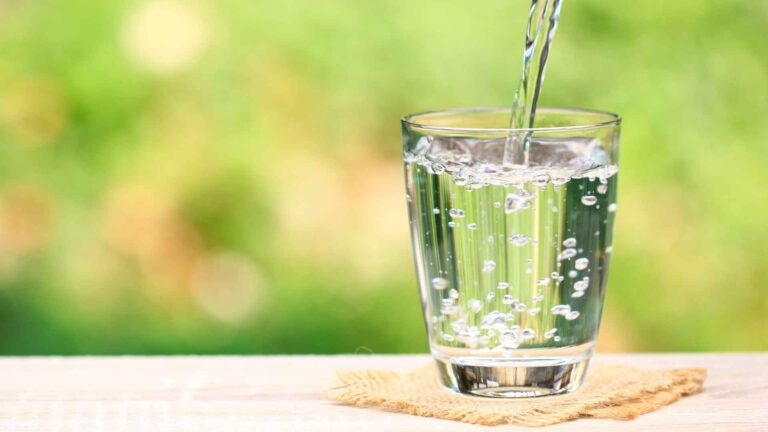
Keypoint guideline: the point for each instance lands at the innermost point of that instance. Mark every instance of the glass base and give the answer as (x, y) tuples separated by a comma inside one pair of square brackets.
[(513, 377)]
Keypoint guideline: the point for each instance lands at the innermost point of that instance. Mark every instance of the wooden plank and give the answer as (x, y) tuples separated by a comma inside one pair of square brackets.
[(287, 393)]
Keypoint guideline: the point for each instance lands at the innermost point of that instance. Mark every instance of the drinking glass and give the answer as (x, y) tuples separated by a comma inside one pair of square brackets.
[(511, 232)]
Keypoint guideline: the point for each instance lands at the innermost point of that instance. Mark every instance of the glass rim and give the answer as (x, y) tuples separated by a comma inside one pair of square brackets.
[(613, 120)]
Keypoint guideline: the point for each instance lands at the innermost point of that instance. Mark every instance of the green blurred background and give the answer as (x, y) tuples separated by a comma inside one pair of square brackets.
[(224, 176)]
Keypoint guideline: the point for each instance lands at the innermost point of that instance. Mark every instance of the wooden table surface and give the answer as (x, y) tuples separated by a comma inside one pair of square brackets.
[(287, 393)]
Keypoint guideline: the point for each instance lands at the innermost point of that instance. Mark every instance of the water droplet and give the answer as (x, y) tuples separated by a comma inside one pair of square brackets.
[(518, 240), (448, 338), (452, 224), (529, 333), (612, 207), (497, 205), (602, 189), (572, 274), (456, 213), (550, 333), (570, 316), (502, 285), (577, 294), (560, 309), (475, 305), (521, 307), (489, 265), (542, 282), (472, 226), (436, 210), (556, 339), (566, 254), (570, 242), (508, 299), (609, 249), (589, 200), (581, 263), (555, 275), (453, 293), (439, 283)]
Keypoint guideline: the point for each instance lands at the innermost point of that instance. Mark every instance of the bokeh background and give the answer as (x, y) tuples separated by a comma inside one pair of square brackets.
[(184, 176)]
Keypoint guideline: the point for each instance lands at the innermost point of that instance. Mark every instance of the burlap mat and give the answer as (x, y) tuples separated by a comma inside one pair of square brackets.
[(612, 391)]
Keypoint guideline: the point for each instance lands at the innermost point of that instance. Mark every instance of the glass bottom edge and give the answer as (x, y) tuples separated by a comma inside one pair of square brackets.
[(513, 378)]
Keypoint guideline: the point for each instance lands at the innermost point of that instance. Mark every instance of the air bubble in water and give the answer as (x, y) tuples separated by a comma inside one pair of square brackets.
[(581, 285), (517, 201), (612, 207), (555, 275), (560, 309), (550, 333), (534, 311), (447, 301), (448, 338), (472, 226), (589, 200), (423, 145), (542, 282), (572, 274), (570, 316), (566, 254), (475, 305), (458, 325), (502, 285), (556, 339), (518, 240), (489, 265), (456, 213), (577, 294), (436, 210), (453, 293), (528, 333), (497, 204), (540, 180), (581, 263), (439, 283), (491, 239), (490, 296), (602, 189), (449, 310), (521, 307), (452, 224), (508, 299), (570, 242), (609, 249)]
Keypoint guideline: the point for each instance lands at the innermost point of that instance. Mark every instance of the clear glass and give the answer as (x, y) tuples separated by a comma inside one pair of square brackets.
[(511, 259)]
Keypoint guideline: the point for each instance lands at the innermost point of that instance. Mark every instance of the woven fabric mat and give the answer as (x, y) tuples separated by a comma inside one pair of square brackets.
[(612, 391)]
